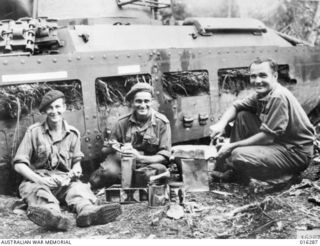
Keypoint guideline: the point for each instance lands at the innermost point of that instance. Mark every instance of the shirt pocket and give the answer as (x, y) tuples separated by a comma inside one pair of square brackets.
[(42, 152), (151, 139), (151, 144), (65, 157)]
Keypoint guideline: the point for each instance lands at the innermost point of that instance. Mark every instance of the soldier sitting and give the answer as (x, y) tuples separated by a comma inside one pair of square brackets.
[(49, 158), (272, 136), (148, 134)]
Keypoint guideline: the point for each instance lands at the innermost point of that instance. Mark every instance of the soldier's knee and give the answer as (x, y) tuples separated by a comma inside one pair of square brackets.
[(28, 188), (242, 115), (160, 168), (238, 158), (103, 177), (236, 154)]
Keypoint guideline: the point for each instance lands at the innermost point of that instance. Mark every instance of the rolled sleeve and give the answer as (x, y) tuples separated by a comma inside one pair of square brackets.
[(275, 121), (165, 141), (24, 152), (249, 103)]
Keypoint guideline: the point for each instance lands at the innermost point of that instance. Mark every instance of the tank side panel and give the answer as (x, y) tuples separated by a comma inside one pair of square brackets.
[(140, 37)]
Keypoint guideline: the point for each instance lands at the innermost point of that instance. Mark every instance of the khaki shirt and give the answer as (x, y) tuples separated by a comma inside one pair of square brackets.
[(282, 116), (39, 151), (153, 138)]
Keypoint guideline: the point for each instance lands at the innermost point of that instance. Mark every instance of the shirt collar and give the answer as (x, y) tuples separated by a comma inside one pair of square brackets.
[(65, 126), (267, 97)]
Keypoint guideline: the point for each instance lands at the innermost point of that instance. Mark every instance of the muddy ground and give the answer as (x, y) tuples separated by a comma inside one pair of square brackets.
[(213, 214)]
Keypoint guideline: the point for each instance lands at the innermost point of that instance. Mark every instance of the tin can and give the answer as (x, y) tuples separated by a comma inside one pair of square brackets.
[(177, 192), (156, 195)]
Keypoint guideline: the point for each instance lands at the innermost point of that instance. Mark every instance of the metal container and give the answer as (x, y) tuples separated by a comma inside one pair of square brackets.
[(156, 195), (141, 176), (127, 165), (118, 194), (177, 192)]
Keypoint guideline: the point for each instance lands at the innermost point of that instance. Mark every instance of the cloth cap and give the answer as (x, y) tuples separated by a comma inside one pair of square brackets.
[(138, 87), (50, 97)]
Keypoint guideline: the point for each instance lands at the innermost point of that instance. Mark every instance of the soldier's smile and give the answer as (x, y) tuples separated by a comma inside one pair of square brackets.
[(141, 103), (55, 110), (262, 78)]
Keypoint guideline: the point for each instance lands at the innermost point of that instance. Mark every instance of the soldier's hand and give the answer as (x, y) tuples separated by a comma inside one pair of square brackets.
[(216, 131), (108, 143), (61, 180), (110, 146), (126, 147), (131, 152), (76, 170), (225, 150), (48, 181)]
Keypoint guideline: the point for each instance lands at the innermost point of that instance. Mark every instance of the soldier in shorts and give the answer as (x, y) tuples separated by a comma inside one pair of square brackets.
[(146, 135)]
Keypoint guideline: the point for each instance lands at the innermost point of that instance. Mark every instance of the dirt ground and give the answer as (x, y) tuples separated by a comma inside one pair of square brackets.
[(214, 214)]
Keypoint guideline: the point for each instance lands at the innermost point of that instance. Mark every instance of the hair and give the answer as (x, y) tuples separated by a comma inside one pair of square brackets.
[(273, 65)]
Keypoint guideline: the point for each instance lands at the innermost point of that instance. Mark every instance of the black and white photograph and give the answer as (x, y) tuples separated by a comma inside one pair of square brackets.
[(159, 119)]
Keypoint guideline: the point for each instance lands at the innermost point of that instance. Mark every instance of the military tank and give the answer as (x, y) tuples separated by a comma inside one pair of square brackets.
[(197, 68)]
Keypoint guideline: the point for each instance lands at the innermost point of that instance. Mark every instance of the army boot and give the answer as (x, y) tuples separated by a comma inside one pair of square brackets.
[(48, 218), (98, 215)]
